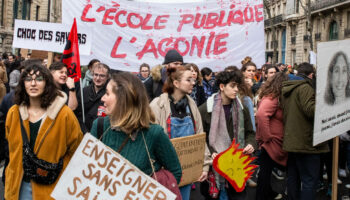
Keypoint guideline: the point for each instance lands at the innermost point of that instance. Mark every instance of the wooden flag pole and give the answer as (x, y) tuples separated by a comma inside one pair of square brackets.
[(335, 168)]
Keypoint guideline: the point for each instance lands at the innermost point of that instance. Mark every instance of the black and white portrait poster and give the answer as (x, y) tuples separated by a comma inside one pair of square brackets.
[(332, 117)]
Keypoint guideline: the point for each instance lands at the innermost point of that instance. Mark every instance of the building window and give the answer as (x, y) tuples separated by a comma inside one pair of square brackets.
[(333, 31), (2, 13), (294, 57), (318, 25), (293, 30), (278, 9), (348, 23), (37, 13), (26, 9), (15, 11), (297, 6), (267, 40)]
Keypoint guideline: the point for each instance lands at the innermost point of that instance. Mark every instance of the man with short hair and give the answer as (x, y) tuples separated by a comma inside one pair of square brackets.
[(172, 59), (92, 96), (298, 101)]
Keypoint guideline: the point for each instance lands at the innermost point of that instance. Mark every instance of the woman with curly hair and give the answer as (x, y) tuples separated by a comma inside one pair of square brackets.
[(269, 134), (225, 118), (52, 131)]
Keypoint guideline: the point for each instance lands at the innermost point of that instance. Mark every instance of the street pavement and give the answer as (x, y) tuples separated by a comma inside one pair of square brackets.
[(278, 186)]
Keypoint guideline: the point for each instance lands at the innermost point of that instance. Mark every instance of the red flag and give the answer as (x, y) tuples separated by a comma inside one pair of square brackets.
[(70, 55)]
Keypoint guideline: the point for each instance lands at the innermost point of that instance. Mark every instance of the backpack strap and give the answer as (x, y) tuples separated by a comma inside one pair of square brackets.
[(100, 121)]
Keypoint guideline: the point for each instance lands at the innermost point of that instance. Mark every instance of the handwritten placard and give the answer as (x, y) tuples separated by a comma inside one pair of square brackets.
[(190, 151), (97, 172)]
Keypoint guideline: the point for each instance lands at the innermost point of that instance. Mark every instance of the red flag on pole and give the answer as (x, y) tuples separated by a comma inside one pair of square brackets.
[(70, 55)]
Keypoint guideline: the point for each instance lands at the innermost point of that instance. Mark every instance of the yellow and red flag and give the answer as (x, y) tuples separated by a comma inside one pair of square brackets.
[(71, 56), (234, 166)]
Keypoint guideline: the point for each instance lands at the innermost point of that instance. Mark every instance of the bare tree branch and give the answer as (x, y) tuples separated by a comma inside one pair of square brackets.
[(303, 6)]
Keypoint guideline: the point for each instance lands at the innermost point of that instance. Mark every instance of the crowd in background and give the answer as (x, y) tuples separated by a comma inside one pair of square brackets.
[(269, 110)]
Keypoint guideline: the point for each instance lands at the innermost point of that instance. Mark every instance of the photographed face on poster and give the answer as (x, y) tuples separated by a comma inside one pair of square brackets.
[(338, 88)]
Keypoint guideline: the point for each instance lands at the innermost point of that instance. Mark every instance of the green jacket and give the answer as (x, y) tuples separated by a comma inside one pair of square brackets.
[(298, 99), (160, 148)]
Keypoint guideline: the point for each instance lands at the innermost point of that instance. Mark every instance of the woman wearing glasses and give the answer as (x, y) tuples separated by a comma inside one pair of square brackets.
[(51, 132), (178, 114)]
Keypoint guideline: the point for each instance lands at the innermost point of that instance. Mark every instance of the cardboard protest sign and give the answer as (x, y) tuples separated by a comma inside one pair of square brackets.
[(48, 36), (332, 115), (234, 166), (213, 34), (190, 151), (97, 172)]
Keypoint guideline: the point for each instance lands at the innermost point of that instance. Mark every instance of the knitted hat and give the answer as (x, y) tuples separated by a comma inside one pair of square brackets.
[(172, 56)]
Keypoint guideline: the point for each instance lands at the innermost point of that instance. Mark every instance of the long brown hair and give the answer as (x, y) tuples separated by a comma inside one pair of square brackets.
[(273, 87), (174, 73), (329, 95), (132, 111), (199, 75)]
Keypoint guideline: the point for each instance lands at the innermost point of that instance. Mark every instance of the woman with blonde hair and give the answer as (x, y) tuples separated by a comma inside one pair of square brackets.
[(129, 127), (3, 80), (178, 114)]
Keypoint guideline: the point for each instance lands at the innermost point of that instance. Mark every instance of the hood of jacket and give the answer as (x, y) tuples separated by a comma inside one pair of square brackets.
[(156, 72), (88, 75), (289, 86), (53, 109)]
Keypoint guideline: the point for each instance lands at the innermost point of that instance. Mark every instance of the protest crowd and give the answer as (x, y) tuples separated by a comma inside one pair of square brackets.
[(268, 110)]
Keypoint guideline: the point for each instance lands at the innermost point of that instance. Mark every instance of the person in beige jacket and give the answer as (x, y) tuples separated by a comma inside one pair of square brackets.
[(3, 80), (178, 114)]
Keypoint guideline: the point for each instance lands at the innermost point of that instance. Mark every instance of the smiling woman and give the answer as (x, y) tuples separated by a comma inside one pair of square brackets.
[(338, 80)]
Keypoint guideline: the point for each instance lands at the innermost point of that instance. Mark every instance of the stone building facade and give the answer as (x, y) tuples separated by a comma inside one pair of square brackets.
[(330, 20), (277, 24), (36, 10)]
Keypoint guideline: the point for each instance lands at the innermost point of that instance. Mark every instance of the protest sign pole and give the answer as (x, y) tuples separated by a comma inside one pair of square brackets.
[(335, 168), (49, 58), (82, 100)]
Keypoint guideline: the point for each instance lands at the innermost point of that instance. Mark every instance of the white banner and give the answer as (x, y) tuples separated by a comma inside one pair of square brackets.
[(332, 117), (212, 34), (97, 172), (48, 36)]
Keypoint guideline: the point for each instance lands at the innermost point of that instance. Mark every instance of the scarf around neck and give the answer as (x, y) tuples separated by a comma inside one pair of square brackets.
[(219, 138)]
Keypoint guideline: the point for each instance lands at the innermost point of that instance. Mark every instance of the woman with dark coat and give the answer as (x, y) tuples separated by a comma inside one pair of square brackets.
[(269, 134), (197, 94)]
